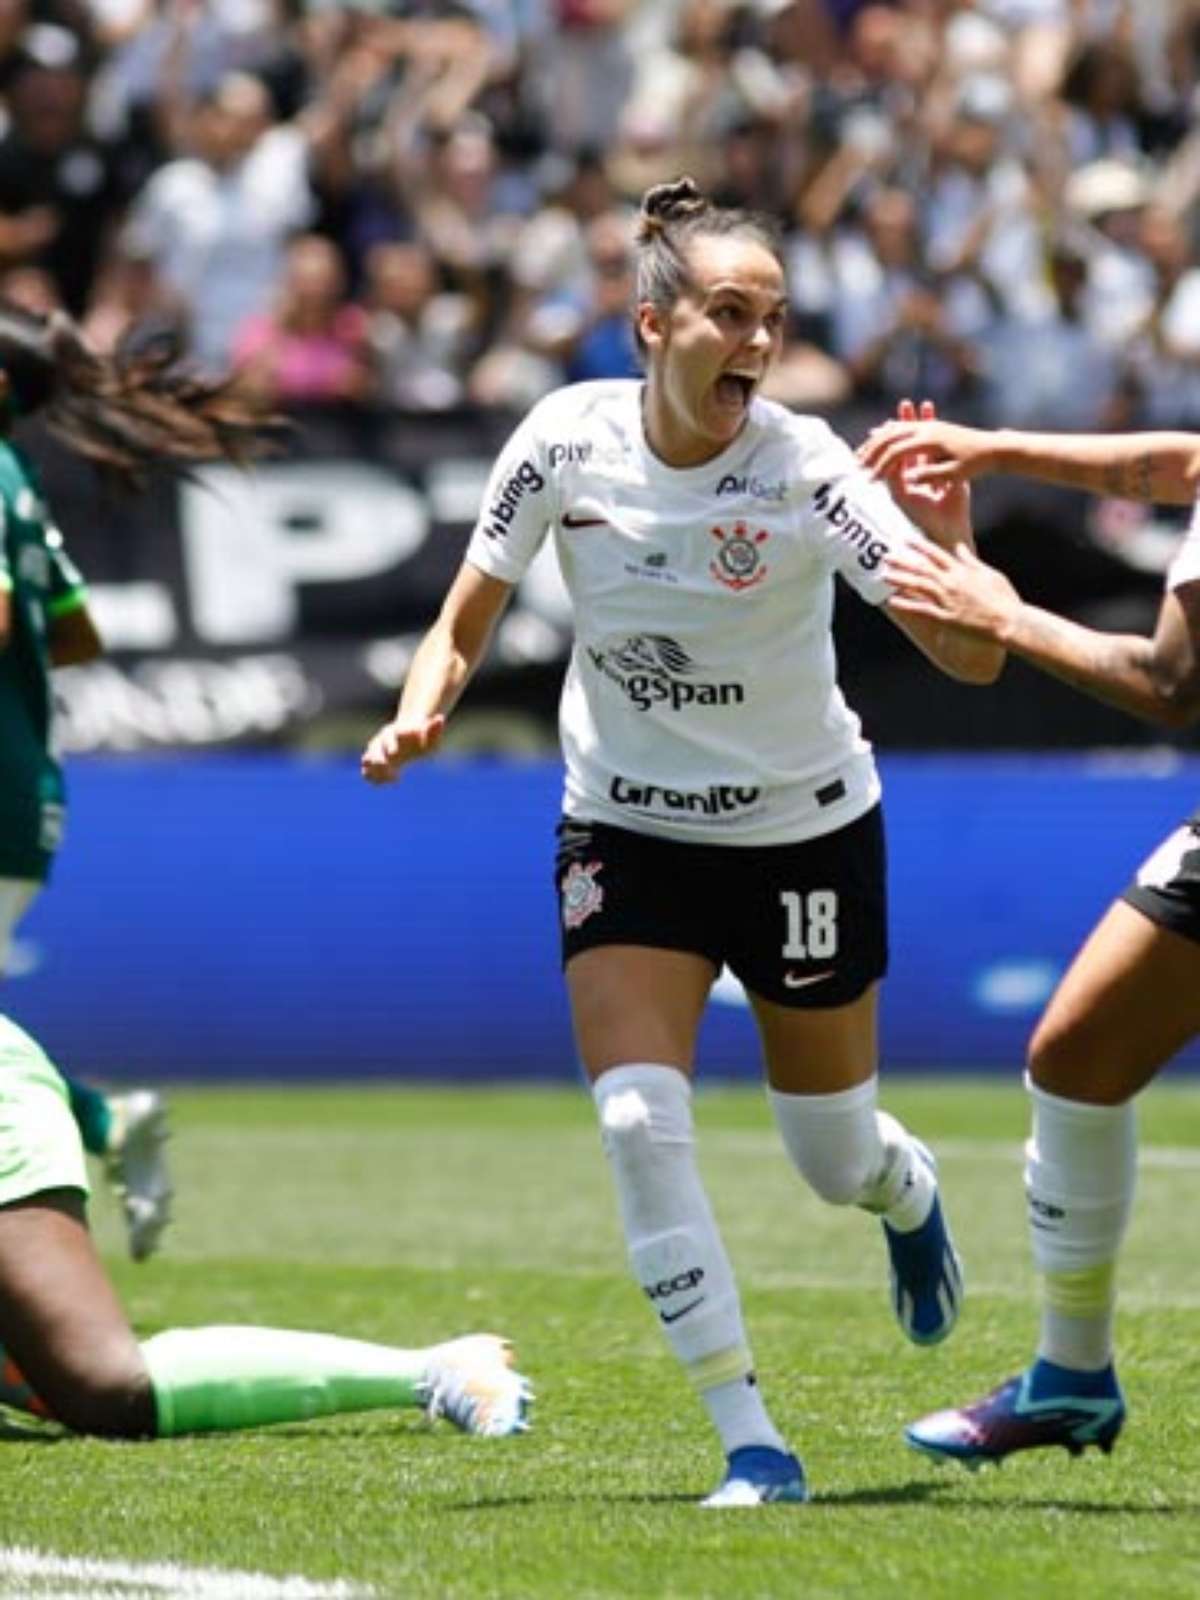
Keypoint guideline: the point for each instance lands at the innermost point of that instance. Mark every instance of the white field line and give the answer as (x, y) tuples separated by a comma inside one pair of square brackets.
[(27, 1574), (1164, 1157)]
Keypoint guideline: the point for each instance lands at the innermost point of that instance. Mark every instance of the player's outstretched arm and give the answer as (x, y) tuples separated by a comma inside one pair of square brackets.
[(942, 511), (1155, 679), (440, 671), (1163, 467)]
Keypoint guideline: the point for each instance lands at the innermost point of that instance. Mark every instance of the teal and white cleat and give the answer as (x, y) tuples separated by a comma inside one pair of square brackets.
[(926, 1273), (135, 1164), (1046, 1405), (759, 1476), (471, 1382)]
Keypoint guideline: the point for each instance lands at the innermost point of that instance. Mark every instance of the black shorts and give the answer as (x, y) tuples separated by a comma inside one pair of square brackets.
[(1167, 886), (802, 924)]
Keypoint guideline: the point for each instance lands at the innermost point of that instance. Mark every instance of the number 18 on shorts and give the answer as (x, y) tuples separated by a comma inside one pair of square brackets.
[(799, 924)]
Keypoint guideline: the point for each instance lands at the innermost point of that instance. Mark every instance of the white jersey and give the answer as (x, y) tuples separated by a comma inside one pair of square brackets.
[(701, 701)]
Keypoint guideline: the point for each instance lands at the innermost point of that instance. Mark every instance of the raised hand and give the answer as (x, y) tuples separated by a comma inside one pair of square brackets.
[(932, 452), (941, 507)]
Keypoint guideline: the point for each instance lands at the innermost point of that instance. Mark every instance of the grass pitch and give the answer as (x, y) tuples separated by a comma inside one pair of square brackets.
[(409, 1216)]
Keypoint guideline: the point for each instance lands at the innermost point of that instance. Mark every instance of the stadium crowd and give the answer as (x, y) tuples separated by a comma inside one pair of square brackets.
[(423, 203)]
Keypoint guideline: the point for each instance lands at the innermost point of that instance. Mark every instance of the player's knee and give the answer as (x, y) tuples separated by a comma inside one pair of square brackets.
[(1056, 1056), (642, 1109)]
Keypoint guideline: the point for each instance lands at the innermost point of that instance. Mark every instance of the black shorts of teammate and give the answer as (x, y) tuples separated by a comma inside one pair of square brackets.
[(1167, 887), (804, 925)]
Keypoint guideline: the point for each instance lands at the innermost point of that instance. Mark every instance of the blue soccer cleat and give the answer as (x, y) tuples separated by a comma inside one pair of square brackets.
[(926, 1274), (759, 1476), (1047, 1405)]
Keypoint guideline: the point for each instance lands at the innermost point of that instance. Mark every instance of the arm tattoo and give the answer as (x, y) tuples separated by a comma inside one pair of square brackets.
[(1114, 668), (1129, 480)]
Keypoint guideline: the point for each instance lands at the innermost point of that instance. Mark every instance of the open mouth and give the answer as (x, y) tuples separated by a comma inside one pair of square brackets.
[(735, 389)]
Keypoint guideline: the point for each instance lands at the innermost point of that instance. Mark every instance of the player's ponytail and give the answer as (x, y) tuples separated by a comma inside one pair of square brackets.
[(672, 217), (131, 412)]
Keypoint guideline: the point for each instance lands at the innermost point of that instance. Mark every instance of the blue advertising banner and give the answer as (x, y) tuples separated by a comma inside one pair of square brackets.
[(268, 916)]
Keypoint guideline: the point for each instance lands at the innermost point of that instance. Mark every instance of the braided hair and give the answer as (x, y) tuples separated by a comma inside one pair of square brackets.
[(129, 413)]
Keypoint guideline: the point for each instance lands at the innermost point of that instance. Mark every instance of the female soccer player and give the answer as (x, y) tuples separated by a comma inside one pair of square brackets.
[(44, 622), (123, 416), (721, 804), (1131, 998), (67, 1351)]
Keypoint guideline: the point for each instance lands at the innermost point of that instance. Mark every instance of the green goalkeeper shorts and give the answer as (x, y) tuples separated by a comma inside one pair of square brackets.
[(40, 1147)]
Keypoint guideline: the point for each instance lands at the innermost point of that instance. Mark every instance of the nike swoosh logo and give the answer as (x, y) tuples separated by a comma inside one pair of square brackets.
[(791, 981), (674, 1316), (570, 521)]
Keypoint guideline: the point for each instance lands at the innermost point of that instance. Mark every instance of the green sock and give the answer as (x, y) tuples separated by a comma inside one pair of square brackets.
[(217, 1379), (92, 1112)]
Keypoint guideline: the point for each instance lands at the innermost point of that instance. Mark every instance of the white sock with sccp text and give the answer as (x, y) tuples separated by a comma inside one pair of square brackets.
[(674, 1245), (1080, 1173)]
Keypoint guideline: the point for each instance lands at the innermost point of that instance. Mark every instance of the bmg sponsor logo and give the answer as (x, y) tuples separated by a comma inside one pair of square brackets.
[(525, 479), (871, 549), (655, 670)]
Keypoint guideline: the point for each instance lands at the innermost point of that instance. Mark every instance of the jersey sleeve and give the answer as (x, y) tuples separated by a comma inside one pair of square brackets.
[(68, 591), (1185, 568), (518, 505), (852, 517)]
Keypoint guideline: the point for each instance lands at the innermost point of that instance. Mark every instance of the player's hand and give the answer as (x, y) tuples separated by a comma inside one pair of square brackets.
[(932, 452), (942, 508), (956, 588), (399, 742)]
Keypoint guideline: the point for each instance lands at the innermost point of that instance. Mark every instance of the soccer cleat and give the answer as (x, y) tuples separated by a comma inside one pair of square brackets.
[(926, 1274), (471, 1382), (136, 1166), (759, 1476), (1046, 1405)]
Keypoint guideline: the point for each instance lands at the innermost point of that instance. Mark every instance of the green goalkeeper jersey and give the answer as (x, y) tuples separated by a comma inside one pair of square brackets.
[(42, 583)]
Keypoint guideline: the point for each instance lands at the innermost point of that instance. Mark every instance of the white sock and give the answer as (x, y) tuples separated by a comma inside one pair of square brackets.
[(1080, 1173), (738, 1414), (674, 1245), (850, 1153)]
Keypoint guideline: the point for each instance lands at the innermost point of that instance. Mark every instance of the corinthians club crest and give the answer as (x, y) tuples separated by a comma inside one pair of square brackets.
[(582, 896), (738, 563)]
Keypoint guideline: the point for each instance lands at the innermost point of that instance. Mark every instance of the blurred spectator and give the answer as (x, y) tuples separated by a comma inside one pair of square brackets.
[(216, 222), (588, 329), (581, 72), (313, 346), (31, 288), (1109, 198), (1100, 90), (419, 337), (900, 331), (980, 204), (1164, 355), (60, 187), (129, 292), (1051, 372)]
